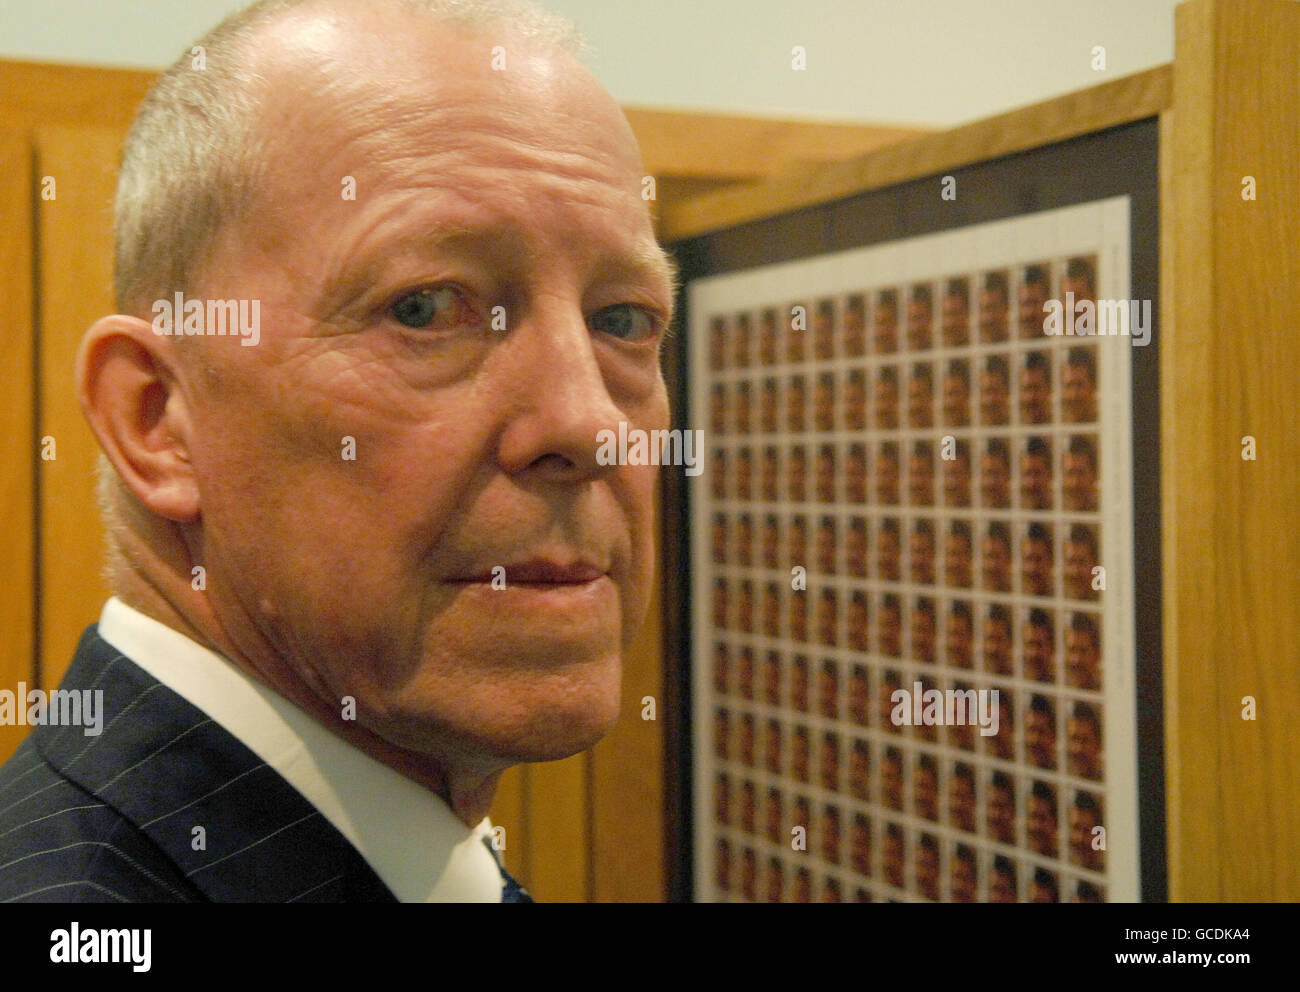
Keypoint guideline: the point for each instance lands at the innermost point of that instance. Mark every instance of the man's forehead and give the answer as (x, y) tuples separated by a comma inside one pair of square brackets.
[(360, 66)]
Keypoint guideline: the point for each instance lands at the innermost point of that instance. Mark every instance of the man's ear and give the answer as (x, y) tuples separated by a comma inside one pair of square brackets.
[(129, 387)]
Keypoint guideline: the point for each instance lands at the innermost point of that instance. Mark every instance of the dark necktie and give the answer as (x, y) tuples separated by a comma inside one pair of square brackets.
[(513, 891)]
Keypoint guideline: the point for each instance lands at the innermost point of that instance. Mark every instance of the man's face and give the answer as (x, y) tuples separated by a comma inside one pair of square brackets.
[(1040, 825), (956, 480), (772, 679), (885, 319), (858, 626), (742, 408), (956, 320), (920, 479), (920, 395), (767, 338), (767, 408), (824, 405), (958, 638), (745, 540), (855, 330), (995, 481), (885, 705), (1000, 815), (1040, 739), (1082, 660), (799, 631), (996, 564), (858, 697), (1038, 652), (826, 548), (855, 403), (918, 324), (830, 765), (995, 398), (794, 411), (771, 543), (892, 859), (1078, 394), (887, 554), (926, 793), (1079, 287), (890, 630), (887, 478), (824, 333), (1034, 396), (746, 744), (774, 814), (1032, 297), (1082, 822), (1002, 887), (368, 467), (961, 802), (827, 619), (771, 612), (826, 477), (772, 750), (922, 554), (742, 341), (963, 880), (922, 635), (927, 872), (1079, 482), (798, 474), (855, 550), (957, 560), (1035, 481), (1079, 563), (891, 783), (775, 881), (722, 800), (997, 646), (800, 757), (860, 847), (1083, 748), (886, 403), (799, 686), (1036, 567), (956, 401), (993, 315)]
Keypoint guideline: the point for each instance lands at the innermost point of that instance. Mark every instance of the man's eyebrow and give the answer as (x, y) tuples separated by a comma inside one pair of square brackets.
[(351, 279)]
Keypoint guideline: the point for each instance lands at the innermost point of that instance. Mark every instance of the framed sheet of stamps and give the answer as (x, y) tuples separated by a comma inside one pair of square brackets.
[(914, 663)]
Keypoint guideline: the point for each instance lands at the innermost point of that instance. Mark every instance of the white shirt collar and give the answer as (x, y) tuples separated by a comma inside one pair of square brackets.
[(408, 835)]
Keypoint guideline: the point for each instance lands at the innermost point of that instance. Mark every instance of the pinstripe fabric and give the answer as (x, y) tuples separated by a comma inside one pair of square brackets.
[(112, 818)]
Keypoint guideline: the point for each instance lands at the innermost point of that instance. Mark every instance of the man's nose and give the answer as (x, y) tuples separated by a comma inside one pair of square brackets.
[(553, 383)]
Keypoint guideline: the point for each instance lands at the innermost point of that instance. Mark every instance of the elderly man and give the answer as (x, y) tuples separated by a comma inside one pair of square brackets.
[(367, 558)]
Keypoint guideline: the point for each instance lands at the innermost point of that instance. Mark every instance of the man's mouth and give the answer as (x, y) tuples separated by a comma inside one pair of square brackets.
[(538, 571)]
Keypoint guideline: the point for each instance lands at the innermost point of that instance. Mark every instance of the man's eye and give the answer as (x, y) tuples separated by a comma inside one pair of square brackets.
[(425, 307), (624, 321)]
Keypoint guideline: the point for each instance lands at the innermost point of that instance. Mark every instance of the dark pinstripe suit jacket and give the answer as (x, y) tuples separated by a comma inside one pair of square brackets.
[(111, 818)]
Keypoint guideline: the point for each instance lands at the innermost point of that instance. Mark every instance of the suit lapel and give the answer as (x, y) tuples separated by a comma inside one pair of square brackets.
[(167, 768)]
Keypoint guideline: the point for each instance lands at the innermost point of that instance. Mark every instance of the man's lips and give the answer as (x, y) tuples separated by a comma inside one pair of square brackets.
[(539, 571)]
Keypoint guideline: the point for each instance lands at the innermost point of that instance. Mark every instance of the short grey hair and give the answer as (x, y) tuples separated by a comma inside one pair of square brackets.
[(191, 163)]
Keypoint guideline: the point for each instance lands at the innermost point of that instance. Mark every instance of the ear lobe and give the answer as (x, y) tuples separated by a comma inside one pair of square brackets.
[(130, 392)]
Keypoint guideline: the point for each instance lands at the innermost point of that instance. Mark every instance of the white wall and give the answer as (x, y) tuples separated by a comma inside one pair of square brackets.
[(926, 62)]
